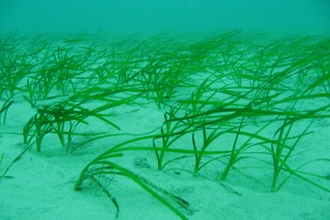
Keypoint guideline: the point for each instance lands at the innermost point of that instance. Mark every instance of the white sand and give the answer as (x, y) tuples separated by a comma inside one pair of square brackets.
[(41, 186)]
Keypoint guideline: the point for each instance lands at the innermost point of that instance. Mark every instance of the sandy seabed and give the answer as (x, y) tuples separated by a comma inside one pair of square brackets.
[(41, 184)]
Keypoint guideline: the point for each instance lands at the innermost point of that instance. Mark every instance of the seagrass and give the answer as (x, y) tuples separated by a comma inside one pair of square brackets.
[(211, 89)]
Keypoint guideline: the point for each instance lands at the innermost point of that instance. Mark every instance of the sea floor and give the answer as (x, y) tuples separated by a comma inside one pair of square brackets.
[(40, 185)]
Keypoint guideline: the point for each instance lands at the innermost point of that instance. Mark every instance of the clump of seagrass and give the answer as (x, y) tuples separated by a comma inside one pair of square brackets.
[(63, 117)]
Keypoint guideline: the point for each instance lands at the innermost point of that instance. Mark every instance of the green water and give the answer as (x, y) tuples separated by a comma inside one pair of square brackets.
[(151, 16)]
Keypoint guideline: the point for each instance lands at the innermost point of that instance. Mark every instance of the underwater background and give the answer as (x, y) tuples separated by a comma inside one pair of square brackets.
[(154, 16), (184, 109)]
